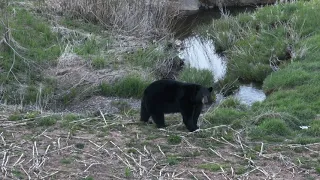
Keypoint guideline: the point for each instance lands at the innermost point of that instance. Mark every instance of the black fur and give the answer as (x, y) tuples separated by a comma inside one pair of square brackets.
[(170, 96)]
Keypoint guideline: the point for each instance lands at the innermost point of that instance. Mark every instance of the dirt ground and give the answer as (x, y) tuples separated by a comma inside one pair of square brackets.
[(118, 146)]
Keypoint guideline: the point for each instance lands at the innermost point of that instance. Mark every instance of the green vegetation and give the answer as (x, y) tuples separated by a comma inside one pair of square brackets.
[(172, 160), (275, 45), (174, 139), (129, 86), (213, 166), (192, 75), (33, 46)]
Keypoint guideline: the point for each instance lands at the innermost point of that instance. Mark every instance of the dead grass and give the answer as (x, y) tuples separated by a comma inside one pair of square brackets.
[(119, 147), (143, 18)]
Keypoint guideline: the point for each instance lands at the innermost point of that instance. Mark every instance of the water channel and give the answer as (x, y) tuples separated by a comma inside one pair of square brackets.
[(199, 52)]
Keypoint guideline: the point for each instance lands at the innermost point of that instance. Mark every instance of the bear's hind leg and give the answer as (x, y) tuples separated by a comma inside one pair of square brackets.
[(159, 120)]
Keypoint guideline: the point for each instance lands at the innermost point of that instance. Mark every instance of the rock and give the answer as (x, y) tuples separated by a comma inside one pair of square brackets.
[(189, 5)]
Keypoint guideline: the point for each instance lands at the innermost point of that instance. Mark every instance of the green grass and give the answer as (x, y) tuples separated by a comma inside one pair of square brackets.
[(253, 41), (225, 116), (174, 139), (47, 121), (173, 160), (214, 167), (66, 161), (129, 86), (146, 57), (35, 47), (193, 75)]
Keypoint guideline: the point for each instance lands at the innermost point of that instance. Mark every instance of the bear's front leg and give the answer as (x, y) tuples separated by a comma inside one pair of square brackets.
[(196, 113), (188, 120), (159, 120)]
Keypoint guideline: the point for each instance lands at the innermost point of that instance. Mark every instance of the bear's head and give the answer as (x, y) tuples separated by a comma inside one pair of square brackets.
[(204, 95)]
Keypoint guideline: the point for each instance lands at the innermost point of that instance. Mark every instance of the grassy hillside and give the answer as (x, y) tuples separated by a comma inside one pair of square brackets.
[(276, 45), (63, 57)]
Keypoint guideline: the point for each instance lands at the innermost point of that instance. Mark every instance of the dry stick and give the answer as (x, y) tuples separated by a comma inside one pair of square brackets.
[(179, 174), (193, 175), (218, 154), (250, 160), (25, 171), (261, 149), (90, 166), (104, 119), (99, 147), (2, 138), (128, 156), (3, 169), (219, 140), (61, 149), (68, 137), (205, 175), (161, 150), (59, 145), (49, 175), (239, 141), (17, 160), (264, 172), (247, 173), (232, 171), (160, 173), (138, 151), (228, 142)]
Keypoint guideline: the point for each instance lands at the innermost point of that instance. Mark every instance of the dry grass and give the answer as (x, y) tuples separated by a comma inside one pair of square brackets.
[(143, 18), (119, 148)]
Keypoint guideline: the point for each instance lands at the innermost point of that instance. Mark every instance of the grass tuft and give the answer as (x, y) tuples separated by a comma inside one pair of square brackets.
[(193, 75)]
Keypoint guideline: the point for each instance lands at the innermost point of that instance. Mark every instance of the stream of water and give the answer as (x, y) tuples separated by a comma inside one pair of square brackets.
[(199, 52)]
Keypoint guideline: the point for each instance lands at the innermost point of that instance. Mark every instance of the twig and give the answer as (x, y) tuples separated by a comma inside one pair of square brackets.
[(261, 149), (218, 154), (205, 175), (104, 119), (161, 150), (193, 175)]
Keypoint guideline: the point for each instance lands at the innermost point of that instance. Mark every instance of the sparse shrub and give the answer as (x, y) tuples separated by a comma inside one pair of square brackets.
[(274, 127), (146, 57), (172, 160), (90, 46), (314, 128), (203, 77), (318, 169), (47, 121), (128, 172), (99, 62), (79, 145), (66, 161), (129, 86), (15, 117), (214, 167), (174, 139)]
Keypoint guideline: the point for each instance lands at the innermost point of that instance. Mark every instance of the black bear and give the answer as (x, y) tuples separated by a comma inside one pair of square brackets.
[(170, 96)]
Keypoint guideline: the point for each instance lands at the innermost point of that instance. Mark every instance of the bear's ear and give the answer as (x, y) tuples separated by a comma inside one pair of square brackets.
[(210, 89)]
